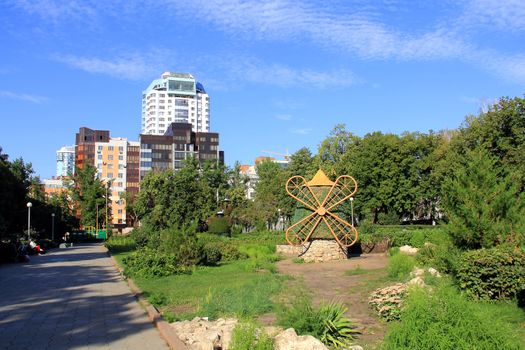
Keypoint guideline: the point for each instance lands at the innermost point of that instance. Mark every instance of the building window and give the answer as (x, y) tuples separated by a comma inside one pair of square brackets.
[(110, 157), (100, 148), (120, 211), (121, 166), (121, 148), (120, 157), (110, 166), (110, 148), (110, 175), (99, 156), (120, 175)]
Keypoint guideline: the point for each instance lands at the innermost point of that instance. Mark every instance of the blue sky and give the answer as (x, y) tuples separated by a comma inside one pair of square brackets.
[(280, 74)]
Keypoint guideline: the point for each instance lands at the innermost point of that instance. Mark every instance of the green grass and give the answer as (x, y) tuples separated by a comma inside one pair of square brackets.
[(399, 266), (442, 318), (230, 289), (358, 270)]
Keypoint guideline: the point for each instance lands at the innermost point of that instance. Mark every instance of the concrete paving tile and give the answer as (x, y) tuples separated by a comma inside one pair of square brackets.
[(84, 302)]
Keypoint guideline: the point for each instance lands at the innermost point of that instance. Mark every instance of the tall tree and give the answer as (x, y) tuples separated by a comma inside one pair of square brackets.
[(482, 203), (270, 194), (90, 196), (175, 199), (331, 151)]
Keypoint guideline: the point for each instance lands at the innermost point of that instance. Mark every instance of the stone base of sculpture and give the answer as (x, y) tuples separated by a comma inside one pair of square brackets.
[(317, 250)]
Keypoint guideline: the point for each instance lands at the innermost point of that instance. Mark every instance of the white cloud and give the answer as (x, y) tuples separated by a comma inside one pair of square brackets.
[(507, 15), (23, 97), (55, 10), (285, 117), (132, 67), (256, 71), (353, 31), (358, 30), (301, 131)]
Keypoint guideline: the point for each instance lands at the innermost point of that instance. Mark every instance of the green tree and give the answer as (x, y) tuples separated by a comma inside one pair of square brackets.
[(302, 163), (270, 194), (175, 199), (501, 131), (482, 203), (331, 151), (90, 195)]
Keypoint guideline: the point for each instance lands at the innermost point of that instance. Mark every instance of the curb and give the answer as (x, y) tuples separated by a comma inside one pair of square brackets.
[(166, 331)]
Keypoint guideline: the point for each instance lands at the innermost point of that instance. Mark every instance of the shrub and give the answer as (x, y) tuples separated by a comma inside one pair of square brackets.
[(495, 273), (443, 319), (149, 263), (418, 238), (400, 266), (328, 323), (117, 244), (212, 253), (230, 252), (219, 226), (388, 301), (337, 329), (443, 257), (246, 336), (143, 236), (183, 244)]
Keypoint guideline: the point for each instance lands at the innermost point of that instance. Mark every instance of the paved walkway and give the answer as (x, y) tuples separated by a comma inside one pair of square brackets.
[(71, 299)]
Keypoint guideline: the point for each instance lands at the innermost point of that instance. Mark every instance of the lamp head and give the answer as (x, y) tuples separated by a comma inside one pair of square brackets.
[(29, 204)]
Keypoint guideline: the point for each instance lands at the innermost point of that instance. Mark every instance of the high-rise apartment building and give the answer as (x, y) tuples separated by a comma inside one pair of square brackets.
[(161, 152), (85, 140), (117, 163), (65, 161), (175, 98)]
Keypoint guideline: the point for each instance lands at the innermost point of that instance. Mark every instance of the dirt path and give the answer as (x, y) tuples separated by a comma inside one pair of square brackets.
[(328, 281)]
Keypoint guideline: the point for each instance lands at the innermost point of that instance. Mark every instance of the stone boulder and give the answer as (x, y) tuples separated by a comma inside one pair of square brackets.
[(199, 333), (289, 340), (409, 250)]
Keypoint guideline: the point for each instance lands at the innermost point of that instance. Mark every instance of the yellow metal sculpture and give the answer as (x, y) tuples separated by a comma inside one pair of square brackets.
[(321, 197)]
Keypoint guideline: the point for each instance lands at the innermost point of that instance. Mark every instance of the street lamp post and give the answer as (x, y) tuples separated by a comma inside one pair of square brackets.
[(352, 206), (29, 205), (52, 227)]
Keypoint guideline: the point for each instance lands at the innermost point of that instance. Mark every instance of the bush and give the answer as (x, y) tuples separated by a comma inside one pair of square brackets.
[(443, 319), (118, 244), (400, 265), (149, 263), (212, 254), (418, 238), (337, 329), (443, 257), (143, 236), (495, 273), (183, 244), (388, 301), (219, 226), (246, 336), (328, 323)]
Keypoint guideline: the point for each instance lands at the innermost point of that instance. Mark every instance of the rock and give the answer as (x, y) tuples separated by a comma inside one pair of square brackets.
[(289, 340), (416, 281), (200, 333), (417, 272), (434, 272), (409, 250)]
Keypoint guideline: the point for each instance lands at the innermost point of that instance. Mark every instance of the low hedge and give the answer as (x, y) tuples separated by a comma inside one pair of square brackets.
[(495, 273), (399, 235), (149, 263)]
